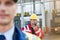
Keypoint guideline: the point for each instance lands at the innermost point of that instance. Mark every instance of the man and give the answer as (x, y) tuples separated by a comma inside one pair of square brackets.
[(7, 29), (33, 28)]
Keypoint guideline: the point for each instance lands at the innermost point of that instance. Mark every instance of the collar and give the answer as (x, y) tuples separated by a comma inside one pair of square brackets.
[(9, 33)]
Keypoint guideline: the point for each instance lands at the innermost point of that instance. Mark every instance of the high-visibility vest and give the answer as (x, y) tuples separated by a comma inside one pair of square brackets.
[(31, 36), (39, 32)]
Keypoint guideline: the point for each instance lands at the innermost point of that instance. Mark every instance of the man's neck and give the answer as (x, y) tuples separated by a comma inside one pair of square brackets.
[(4, 28)]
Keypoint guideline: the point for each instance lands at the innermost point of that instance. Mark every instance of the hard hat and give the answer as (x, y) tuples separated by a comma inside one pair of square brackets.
[(33, 16)]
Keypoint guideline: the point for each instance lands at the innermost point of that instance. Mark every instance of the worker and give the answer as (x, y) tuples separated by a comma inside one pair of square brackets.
[(33, 28), (7, 29)]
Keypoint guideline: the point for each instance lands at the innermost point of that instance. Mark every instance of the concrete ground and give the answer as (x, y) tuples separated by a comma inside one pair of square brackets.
[(52, 37)]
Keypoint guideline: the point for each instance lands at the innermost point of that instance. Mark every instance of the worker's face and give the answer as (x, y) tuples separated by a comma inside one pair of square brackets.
[(33, 21), (7, 11)]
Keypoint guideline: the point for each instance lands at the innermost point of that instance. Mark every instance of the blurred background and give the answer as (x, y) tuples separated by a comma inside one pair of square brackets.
[(48, 12)]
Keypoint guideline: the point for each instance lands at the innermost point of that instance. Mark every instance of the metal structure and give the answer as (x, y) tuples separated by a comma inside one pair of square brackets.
[(55, 23), (22, 13)]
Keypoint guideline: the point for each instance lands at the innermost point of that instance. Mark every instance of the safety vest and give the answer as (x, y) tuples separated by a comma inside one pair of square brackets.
[(28, 29)]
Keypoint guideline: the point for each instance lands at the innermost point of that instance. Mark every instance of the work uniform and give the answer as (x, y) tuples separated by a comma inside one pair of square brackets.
[(37, 32)]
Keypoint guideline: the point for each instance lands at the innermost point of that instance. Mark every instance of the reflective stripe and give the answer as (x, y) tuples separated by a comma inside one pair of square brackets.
[(27, 29), (38, 30), (24, 28), (40, 34)]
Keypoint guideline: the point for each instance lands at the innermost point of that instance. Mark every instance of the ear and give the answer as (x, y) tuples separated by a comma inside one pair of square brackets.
[(16, 7)]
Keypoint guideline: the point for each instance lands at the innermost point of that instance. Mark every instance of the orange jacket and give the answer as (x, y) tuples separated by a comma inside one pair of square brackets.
[(38, 31)]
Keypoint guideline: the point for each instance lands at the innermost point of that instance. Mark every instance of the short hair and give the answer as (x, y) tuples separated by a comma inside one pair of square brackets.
[(15, 1)]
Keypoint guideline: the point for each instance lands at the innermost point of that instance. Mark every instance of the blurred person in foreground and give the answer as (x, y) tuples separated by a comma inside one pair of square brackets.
[(7, 29), (33, 28), (31, 36)]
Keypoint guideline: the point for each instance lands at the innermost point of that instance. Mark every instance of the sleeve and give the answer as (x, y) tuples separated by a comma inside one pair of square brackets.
[(42, 34), (22, 28)]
